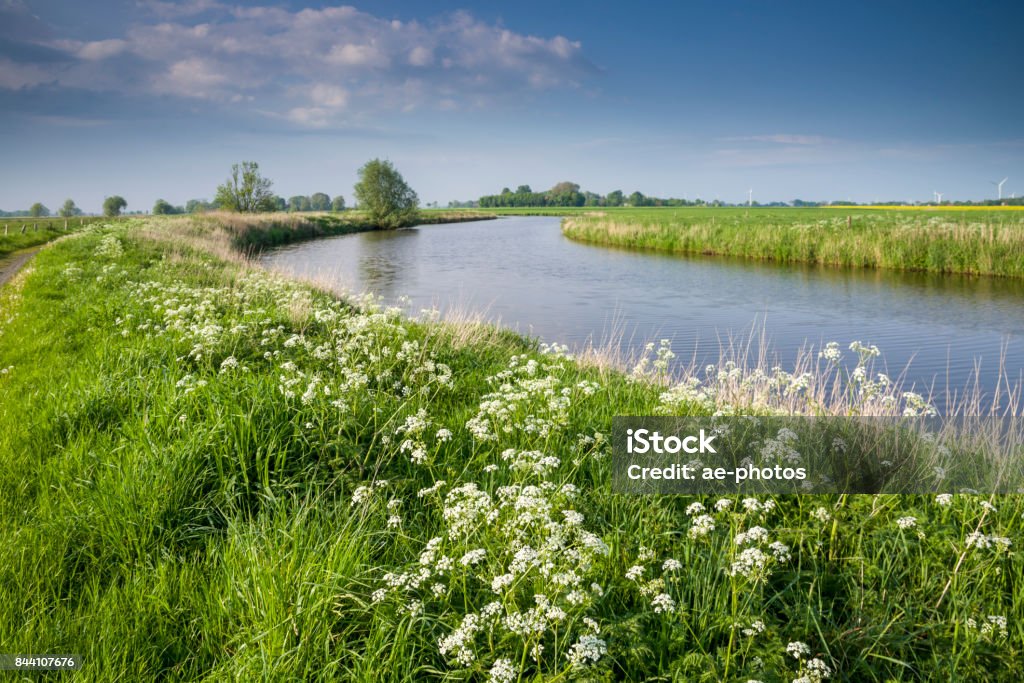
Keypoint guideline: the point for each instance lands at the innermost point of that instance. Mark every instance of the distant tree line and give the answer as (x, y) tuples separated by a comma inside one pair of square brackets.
[(318, 201), (569, 194)]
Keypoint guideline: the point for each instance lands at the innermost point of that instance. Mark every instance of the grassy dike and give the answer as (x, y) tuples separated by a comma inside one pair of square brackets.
[(211, 473), (970, 242), (37, 231)]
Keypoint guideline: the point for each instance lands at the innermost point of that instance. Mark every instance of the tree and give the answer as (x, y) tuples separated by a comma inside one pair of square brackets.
[(112, 206), (246, 190), (37, 210), (279, 203), (164, 208), (69, 209), (298, 203), (524, 189), (197, 206), (384, 195), (338, 203), (636, 199), (614, 198), (320, 202), (564, 187)]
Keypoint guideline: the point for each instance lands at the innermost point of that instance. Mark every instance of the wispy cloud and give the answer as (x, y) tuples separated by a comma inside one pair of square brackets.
[(773, 156), (313, 67), (783, 139)]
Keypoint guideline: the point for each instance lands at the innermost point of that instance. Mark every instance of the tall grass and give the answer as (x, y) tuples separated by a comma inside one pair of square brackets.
[(977, 243), (211, 473)]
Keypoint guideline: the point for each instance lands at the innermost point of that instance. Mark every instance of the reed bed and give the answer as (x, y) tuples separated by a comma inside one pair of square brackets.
[(975, 243)]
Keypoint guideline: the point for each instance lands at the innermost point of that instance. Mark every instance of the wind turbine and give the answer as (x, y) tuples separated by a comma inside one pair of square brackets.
[(1000, 185), (750, 197), (938, 197)]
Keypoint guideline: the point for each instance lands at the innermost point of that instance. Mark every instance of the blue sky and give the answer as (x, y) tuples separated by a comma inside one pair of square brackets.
[(811, 100)]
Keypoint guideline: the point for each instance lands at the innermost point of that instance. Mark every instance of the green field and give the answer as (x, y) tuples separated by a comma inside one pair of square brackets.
[(979, 242), (37, 231), (211, 473)]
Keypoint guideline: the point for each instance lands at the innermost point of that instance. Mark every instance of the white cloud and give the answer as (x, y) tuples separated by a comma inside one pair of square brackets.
[(783, 139), (421, 56), (16, 75), (329, 96), (313, 67), (101, 49), (309, 117), (193, 77), (357, 55)]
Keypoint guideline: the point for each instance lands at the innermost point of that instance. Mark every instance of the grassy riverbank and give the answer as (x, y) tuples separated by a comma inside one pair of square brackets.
[(211, 473), (944, 241), (259, 231)]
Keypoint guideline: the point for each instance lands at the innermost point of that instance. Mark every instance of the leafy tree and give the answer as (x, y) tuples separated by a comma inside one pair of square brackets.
[(69, 209), (112, 206), (280, 204), (320, 202), (163, 208), (246, 190), (197, 206), (563, 187), (614, 198), (524, 189), (338, 203), (384, 195), (298, 203), (37, 210), (636, 199)]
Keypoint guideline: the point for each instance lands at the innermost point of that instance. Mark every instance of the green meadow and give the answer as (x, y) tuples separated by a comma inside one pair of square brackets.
[(976, 241), (23, 233), (208, 472)]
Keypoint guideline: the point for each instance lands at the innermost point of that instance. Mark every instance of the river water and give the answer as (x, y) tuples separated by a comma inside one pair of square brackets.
[(938, 331)]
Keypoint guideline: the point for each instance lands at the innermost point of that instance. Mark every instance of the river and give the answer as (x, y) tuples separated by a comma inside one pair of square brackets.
[(938, 331)]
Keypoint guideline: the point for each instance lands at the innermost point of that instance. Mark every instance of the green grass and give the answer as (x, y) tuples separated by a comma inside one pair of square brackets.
[(943, 241), (209, 473), (37, 231)]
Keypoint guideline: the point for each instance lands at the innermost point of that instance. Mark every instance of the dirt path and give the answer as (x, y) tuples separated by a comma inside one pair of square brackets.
[(9, 265)]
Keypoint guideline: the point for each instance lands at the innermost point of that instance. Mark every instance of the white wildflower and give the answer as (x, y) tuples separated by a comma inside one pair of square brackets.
[(588, 649), (702, 526), (906, 522), (798, 649), (502, 671), (663, 602)]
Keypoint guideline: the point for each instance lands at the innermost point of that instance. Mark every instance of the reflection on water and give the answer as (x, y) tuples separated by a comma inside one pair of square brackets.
[(525, 273)]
